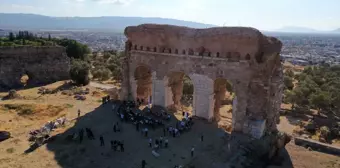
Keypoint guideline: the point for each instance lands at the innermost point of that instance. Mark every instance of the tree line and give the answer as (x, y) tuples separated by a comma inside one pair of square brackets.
[(316, 87)]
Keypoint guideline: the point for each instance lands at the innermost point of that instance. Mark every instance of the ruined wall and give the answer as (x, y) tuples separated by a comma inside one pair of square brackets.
[(244, 56), (42, 64)]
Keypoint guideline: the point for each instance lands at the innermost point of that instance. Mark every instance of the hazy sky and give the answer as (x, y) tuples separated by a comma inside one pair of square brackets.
[(262, 14)]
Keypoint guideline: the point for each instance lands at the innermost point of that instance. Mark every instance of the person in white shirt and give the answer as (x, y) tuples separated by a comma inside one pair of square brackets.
[(150, 142), (192, 151)]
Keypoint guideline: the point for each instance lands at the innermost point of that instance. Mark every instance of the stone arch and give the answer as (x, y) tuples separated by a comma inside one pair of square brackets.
[(142, 82), (223, 97), (179, 89)]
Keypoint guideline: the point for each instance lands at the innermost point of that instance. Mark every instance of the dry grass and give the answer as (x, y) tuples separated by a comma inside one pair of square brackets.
[(34, 111)]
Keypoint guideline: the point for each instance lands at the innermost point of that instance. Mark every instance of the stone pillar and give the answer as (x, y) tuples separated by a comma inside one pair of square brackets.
[(133, 84), (203, 95), (239, 106), (168, 96), (256, 119), (158, 91), (211, 106)]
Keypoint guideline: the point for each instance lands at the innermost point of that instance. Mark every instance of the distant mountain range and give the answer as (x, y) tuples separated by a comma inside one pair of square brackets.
[(114, 23), (108, 23), (293, 29)]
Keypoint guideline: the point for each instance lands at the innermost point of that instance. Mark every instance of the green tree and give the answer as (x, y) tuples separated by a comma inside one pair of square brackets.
[(74, 49), (79, 72), (288, 82), (289, 73), (320, 100), (11, 36)]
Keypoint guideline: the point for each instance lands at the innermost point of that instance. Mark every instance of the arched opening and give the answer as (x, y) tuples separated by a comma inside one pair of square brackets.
[(154, 49), (223, 95), (182, 90), (176, 51), (135, 47), (143, 79), (147, 48), (183, 52), (141, 48), (217, 54)]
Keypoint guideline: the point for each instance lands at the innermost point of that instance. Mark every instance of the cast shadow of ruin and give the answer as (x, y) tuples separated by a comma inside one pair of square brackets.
[(156, 59), (216, 150)]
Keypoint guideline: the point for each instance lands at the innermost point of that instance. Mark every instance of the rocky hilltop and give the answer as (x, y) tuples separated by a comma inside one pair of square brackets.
[(42, 65)]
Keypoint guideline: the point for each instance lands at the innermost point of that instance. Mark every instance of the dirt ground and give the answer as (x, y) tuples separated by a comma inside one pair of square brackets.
[(64, 154)]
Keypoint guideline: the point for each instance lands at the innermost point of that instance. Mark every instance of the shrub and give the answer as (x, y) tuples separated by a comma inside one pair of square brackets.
[(324, 132), (79, 72), (101, 74)]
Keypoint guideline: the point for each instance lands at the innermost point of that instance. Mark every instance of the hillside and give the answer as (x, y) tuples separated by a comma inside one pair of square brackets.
[(32, 21)]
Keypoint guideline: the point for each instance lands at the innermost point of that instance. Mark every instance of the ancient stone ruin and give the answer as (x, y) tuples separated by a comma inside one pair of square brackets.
[(39, 65), (158, 56)]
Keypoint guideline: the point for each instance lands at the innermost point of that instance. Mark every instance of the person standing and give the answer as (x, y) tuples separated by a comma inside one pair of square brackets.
[(78, 113), (122, 147), (161, 141), (114, 128), (192, 151), (150, 142), (101, 141), (114, 145), (164, 131), (143, 163), (146, 132), (166, 142)]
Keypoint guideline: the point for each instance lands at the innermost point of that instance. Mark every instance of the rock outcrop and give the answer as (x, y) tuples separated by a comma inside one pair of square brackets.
[(42, 65)]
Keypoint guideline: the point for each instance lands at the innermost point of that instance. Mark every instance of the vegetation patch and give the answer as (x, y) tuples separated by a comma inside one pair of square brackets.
[(34, 111)]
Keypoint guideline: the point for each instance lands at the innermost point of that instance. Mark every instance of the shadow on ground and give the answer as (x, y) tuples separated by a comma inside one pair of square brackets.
[(214, 152)]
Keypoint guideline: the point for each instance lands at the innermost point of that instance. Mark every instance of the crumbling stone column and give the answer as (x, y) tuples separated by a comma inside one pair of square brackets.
[(158, 91), (133, 84), (219, 95), (203, 96), (239, 105), (168, 96)]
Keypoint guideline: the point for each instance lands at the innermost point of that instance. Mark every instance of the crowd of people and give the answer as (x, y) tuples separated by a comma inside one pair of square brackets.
[(128, 111)]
